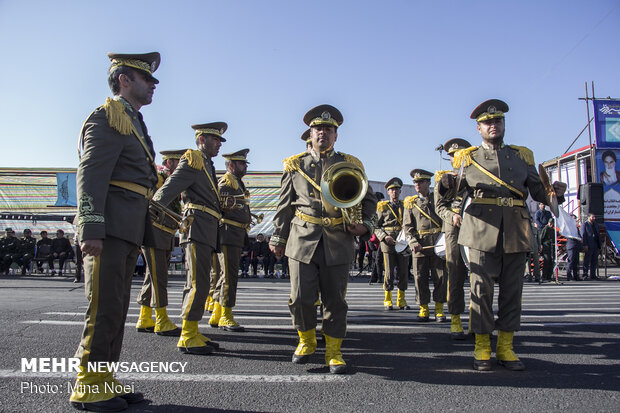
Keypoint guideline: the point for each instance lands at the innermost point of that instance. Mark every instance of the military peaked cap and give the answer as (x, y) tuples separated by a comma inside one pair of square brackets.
[(420, 175), (176, 154), (146, 62), (394, 183), (323, 115), (241, 155), (489, 109), (213, 128), (306, 135), (455, 144)]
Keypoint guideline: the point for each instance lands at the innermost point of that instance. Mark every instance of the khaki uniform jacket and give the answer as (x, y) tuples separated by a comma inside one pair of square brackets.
[(415, 221), (159, 238), (300, 237), (107, 154), (482, 223), (388, 224), (231, 186), (194, 178), (448, 204)]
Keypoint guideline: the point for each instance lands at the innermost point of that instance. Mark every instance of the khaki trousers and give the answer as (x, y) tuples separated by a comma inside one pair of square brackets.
[(227, 275), (307, 280), (487, 268), (107, 283), (425, 268), (457, 272), (154, 292), (198, 261), (393, 260)]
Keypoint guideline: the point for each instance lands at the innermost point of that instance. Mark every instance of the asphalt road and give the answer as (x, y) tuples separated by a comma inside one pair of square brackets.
[(570, 344)]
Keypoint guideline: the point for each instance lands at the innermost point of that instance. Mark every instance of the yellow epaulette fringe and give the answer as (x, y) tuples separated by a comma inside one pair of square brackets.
[(118, 119), (292, 162), (228, 180), (524, 153), (194, 158), (353, 160), (439, 174), (463, 157), (408, 202), (161, 178), (382, 205)]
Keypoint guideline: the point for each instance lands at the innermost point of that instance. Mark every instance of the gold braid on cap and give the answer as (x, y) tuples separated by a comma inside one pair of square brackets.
[(236, 158), (381, 205), (194, 159), (524, 153), (409, 201), (208, 131), (173, 156), (321, 121), (135, 63), (487, 116)]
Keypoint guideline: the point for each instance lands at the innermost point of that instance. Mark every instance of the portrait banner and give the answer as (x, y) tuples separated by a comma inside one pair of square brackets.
[(609, 176), (67, 195), (607, 123)]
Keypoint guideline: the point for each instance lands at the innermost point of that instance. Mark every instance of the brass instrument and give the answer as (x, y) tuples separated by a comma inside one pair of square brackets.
[(232, 202), (343, 186), (160, 213), (259, 218)]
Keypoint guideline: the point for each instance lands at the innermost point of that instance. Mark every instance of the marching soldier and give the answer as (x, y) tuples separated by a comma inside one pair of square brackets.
[(157, 250), (115, 178), (235, 203), (314, 238), (422, 227), (195, 179), (389, 225), (496, 228), (448, 207)]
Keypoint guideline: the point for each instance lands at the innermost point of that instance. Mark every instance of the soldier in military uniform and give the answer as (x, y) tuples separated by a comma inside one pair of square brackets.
[(115, 179), (389, 225), (496, 228), (194, 179), (10, 250), (448, 207), (157, 250), (312, 235), (27, 248), (422, 228), (235, 202)]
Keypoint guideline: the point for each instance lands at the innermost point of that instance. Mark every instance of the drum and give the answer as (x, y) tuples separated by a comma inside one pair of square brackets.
[(465, 250), (401, 242), (440, 246)]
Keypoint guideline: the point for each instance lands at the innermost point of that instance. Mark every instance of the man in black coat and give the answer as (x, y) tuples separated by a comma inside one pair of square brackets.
[(591, 245)]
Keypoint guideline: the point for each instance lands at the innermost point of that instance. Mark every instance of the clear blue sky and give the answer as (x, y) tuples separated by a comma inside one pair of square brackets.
[(405, 74)]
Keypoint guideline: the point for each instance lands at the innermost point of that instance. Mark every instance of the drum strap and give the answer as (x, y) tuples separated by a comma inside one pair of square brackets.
[(496, 179), (426, 215), (398, 217)]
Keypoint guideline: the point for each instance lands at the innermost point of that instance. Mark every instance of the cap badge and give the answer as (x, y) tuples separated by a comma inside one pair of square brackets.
[(491, 109), (325, 115)]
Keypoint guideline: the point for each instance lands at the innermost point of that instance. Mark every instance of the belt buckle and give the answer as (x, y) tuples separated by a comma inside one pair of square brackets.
[(505, 202), (326, 222)]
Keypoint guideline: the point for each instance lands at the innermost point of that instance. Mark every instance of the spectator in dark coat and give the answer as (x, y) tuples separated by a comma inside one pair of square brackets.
[(61, 251), (591, 245)]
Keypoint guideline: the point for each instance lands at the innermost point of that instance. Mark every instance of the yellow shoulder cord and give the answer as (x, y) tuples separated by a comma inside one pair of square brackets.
[(496, 179), (426, 215), (217, 192), (302, 173), (398, 217)]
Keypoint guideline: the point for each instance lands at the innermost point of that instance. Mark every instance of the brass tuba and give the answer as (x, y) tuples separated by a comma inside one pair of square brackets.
[(343, 186), (162, 215)]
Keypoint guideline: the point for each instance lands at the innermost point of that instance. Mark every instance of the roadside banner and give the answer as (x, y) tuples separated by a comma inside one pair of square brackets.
[(66, 189)]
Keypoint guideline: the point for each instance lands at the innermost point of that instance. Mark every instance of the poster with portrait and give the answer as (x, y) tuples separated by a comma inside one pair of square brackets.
[(608, 173)]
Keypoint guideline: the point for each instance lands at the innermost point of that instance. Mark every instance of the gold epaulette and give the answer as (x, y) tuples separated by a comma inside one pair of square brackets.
[(439, 174), (381, 205), (161, 178), (194, 158), (524, 153), (292, 162), (118, 119), (353, 160), (228, 180), (408, 202), (463, 157)]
